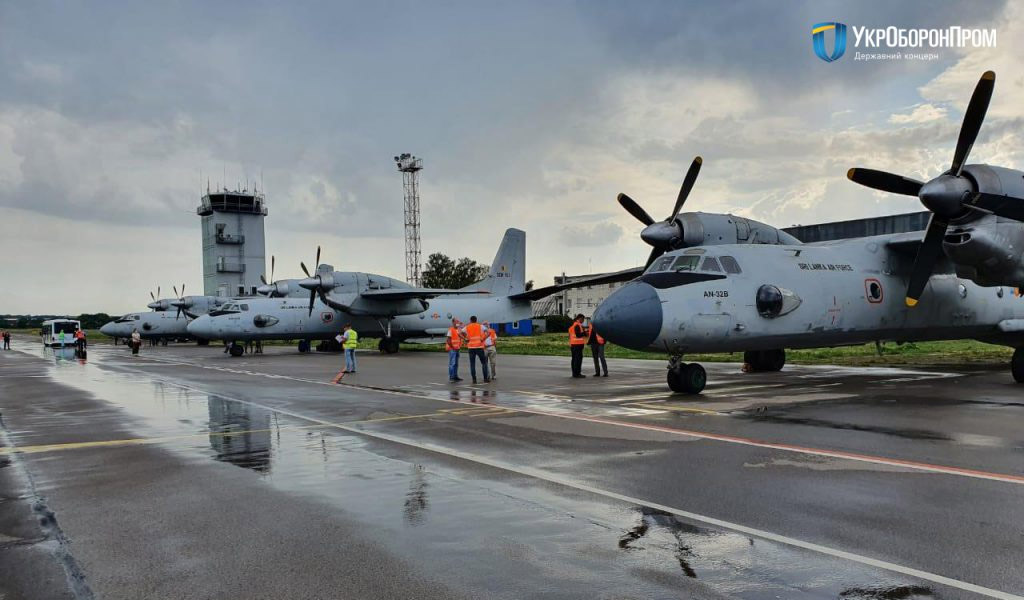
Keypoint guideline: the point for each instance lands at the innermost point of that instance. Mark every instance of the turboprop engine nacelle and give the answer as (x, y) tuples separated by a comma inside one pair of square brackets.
[(987, 251), (699, 229)]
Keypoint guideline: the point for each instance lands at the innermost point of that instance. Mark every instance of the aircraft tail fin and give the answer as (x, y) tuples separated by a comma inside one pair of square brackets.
[(507, 276)]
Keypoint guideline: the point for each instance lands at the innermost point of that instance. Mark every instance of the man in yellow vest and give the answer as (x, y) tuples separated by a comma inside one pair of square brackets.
[(577, 341), (453, 343), (475, 333), (349, 342)]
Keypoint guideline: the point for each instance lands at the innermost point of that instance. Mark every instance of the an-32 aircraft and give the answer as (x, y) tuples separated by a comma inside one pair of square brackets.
[(762, 299), (375, 305)]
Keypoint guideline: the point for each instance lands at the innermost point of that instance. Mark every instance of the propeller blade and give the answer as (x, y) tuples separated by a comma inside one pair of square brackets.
[(178, 314), (973, 118), (157, 291), (886, 182), (634, 209), (927, 256), (176, 292), (655, 253), (263, 280), (152, 296), (312, 297), (304, 269), (272, 261), (317, 263), (688, 181)]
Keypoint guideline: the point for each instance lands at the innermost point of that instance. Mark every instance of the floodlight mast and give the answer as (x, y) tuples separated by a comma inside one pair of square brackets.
[(410, 166)]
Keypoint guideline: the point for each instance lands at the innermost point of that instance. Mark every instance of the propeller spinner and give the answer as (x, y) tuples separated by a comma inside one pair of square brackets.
[(668, 234), (949, 196)]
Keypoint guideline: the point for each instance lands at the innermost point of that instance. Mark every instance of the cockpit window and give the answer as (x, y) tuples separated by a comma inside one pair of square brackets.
[(662, 264), (136, 317), (730, 265), (244, 306), (711, 265), (686, 263)]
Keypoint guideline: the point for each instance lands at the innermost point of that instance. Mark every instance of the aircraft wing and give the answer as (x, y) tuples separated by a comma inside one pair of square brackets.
[(544, 292), (414, 293)]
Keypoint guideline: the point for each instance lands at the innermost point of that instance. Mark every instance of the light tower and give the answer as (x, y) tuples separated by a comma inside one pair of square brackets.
[(410, 166)]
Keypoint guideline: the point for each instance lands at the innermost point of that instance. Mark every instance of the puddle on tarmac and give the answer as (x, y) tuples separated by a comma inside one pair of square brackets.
[(506, 536)]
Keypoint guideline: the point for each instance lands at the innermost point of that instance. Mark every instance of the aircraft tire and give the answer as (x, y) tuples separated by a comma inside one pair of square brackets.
[(765, 360), (388, 345), (202, 342), (1017, 365), (304, 345), (688, 379), (236, 350)]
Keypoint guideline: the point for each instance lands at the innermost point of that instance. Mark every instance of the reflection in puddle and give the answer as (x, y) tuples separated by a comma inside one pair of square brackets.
[(901, 592), (240, 433), (672, 524)]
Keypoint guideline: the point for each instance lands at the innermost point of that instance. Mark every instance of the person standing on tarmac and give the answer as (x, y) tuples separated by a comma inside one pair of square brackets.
[(349, 342), (80, 340), (453, 343), (577, 340), (491, 349), (136, 341), (7, 340), (596, 343), (475, 333)]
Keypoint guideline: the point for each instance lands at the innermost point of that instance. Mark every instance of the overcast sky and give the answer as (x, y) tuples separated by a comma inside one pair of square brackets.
[(526, 114)]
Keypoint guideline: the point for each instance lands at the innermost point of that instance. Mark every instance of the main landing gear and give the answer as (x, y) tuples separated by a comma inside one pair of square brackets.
[(1017, 365), (236, 349), (686, 378), (304, 346), (765, 360), (388, 345)]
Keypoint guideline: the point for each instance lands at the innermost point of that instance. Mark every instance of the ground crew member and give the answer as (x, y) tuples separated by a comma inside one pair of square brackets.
[(80, 340), (136, 341), (453, 343), (577, 341), (7, 340), (475, 333), (349, 342), (491, 349), (596, 343), (61, 338)]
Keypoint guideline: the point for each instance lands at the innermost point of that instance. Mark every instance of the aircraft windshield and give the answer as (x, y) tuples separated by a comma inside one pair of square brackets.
[(692, 262)]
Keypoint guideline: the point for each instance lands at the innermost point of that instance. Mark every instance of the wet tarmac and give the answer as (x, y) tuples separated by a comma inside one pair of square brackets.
[(184, 473)]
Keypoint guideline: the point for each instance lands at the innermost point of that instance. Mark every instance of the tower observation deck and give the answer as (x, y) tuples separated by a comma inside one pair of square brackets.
[(234, 246)]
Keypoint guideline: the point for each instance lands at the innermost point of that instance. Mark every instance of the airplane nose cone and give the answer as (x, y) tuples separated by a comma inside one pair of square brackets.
[(631, 316), (201, 327), (107, 329)]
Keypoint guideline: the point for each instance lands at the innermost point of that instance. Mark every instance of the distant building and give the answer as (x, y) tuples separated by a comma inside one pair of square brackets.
[(575, 301)]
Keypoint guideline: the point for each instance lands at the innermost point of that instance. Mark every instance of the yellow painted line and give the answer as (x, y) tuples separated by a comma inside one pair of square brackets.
[(702, 411)]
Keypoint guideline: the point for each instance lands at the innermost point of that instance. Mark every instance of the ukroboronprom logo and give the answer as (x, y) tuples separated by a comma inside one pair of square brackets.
[(818, 37), (896, 43)]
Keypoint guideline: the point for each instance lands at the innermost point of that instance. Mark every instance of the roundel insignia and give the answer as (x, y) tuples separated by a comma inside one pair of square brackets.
[(326, 317), (435, 316)]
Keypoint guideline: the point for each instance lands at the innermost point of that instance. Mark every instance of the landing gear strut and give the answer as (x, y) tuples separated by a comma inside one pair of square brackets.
[(1017, 365), (686, 378), (388, 345), (765, 360)]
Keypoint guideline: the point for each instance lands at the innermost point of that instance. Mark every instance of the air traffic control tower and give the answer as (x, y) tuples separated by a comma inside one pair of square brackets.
[(234, 247)]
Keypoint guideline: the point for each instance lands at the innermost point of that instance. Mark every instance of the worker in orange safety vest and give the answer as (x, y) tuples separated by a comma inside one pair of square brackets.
[(475, 334), (578, 333), (453, 343), (596, 343)]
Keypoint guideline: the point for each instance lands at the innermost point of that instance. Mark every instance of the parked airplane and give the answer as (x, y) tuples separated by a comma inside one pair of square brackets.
[(161, 323), (762, 299), (376, 305)]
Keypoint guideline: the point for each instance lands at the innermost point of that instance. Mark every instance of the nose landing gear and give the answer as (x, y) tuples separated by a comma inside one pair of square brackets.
[(686, 378)]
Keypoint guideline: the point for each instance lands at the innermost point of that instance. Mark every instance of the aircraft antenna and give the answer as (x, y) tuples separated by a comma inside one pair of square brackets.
[(410, 166)]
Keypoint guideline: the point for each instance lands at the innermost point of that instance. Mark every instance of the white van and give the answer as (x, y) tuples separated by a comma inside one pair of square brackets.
[(52, 329)]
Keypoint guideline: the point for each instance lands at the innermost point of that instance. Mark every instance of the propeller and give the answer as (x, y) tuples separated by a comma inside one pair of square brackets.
[(312, 283), (668, 234), (949, 196), (268, 288), (180, 302)]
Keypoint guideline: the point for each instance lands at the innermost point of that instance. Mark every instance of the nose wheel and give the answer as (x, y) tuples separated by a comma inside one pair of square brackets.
[(686, 378), (388, 345)]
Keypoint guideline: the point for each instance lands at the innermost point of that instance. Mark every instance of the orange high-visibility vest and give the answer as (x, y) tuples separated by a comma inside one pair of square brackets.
[(454, 339), (594, 334), (577, 340), (474, 335), (493, 335)]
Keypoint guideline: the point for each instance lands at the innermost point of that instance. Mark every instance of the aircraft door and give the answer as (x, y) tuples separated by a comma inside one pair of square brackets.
[(742, 230)]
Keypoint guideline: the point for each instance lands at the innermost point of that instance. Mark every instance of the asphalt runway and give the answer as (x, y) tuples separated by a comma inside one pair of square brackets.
[(184, 473)]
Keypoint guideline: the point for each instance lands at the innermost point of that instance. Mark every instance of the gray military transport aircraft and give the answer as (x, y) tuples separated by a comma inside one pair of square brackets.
[(375, 305), (161, 324), (762, 299)]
